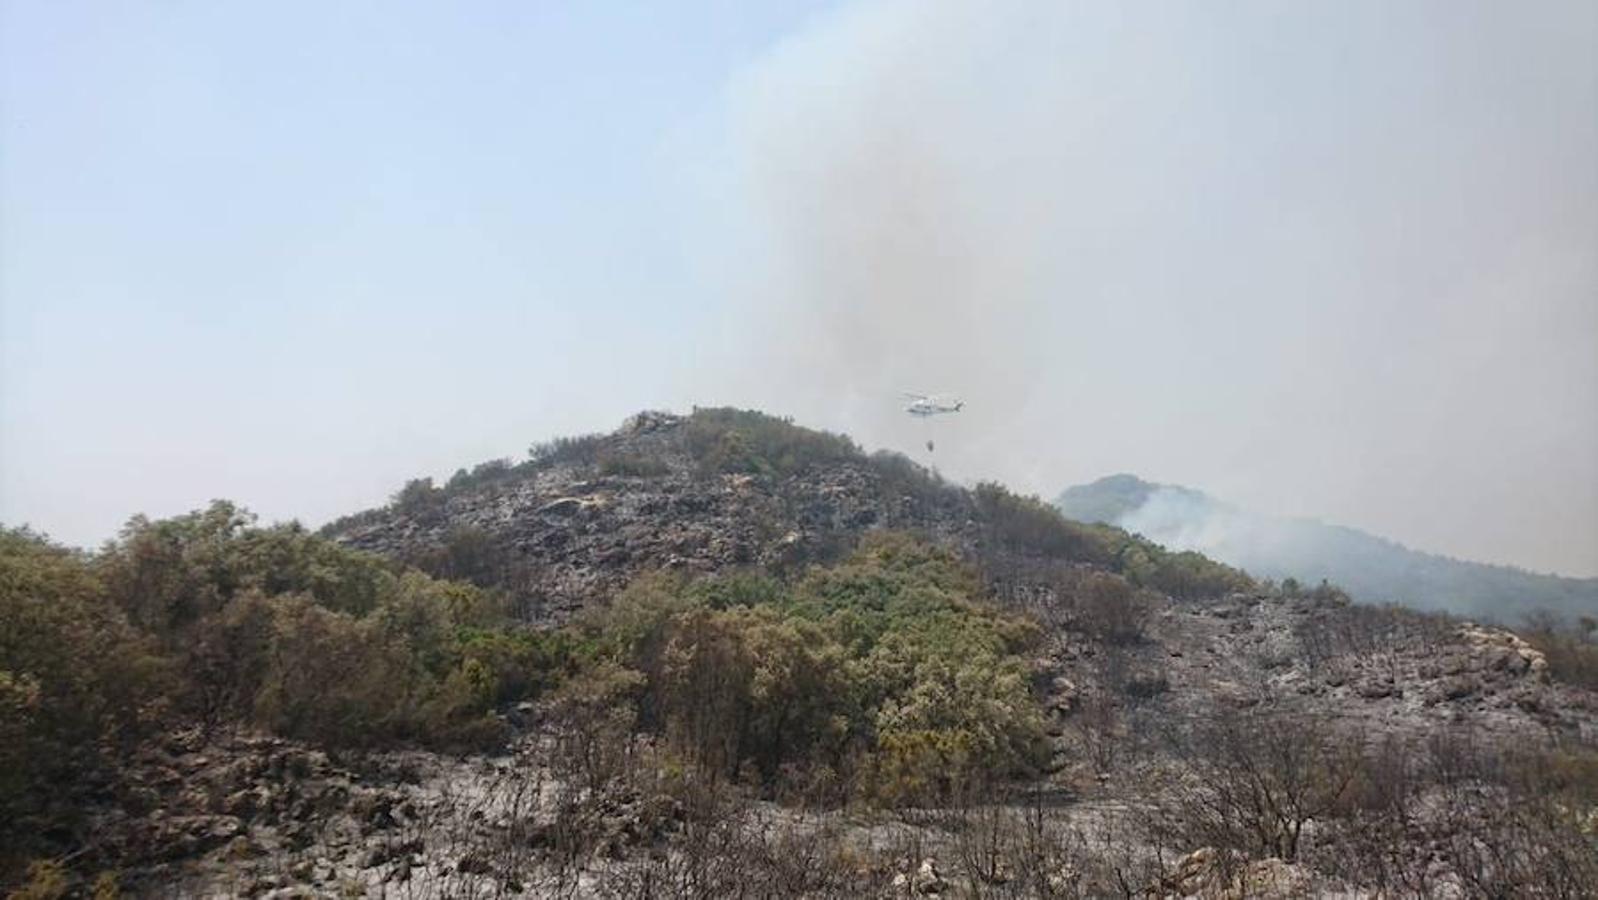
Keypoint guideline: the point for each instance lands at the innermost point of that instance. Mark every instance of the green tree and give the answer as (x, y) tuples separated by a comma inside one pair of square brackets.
[(75, 681)]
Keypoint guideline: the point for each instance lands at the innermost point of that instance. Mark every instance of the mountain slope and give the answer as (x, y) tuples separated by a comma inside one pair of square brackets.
[(1050, 708), (1369, 567), (722, 489), (725, 490)]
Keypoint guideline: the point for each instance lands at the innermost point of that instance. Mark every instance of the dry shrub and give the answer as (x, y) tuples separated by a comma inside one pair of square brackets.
[(1252, 782), (1108, 607)]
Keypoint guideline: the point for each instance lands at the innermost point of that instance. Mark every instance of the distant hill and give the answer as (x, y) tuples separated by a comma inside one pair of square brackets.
[(1369, 567)]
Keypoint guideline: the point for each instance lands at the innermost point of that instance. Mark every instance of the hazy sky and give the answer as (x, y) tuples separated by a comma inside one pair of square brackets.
[(1336, 259)]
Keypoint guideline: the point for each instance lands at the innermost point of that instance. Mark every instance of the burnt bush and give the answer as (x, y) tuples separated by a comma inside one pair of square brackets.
[(1462, 814), (467, 553), (903, 477), (1028, 525), (1019, 525), (1251, 782), (1108, 607), (887, 668)]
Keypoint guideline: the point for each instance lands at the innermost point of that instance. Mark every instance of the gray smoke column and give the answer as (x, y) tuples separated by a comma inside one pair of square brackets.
[(934, 220), (1325, 259)]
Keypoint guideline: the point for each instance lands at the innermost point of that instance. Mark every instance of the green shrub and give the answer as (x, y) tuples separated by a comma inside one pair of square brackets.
[(581, 450), (168, 574), (259, 619), (227, 659), (483, 473), (287, 559), (75, 681), (735, 589), (1188, 575), (597, 712), (631, 465), (207, 618), (836, 672), (522, 662), (726, 440), (751, 686), (334, 679), (1185, 575), (920, 767), (420, 498), (468, 553)]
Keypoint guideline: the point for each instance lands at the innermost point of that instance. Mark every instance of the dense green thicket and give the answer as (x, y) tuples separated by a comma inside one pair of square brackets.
[(282, 629), (885, 674), (466, 553), (207, 618)]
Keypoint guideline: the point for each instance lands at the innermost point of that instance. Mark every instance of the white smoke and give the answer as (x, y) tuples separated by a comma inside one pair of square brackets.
[(1312, 257)]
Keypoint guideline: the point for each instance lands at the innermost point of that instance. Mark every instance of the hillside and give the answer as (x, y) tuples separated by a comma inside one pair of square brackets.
[(1371, 568), (719, 654), (715, 490)]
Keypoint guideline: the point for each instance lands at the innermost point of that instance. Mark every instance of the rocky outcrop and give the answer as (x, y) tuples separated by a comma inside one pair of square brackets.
[(255, 816), (1503, 651), (1373, 672)]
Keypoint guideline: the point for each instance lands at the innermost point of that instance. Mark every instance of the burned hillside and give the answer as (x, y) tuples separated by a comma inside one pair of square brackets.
[(720, 653)]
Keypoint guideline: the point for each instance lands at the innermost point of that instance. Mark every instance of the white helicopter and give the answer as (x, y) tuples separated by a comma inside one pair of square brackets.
[(928, 405), (925, 406)]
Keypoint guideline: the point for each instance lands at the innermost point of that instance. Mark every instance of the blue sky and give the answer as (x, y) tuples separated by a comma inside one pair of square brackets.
[(1326, 259)]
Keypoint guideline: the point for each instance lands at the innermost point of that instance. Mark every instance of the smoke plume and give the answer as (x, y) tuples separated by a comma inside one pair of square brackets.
[(1317, 258)]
